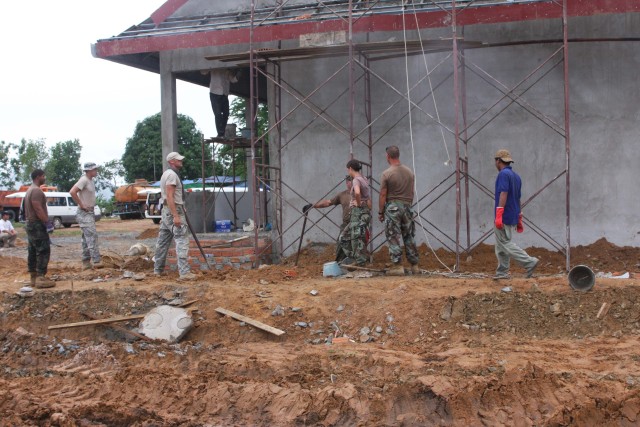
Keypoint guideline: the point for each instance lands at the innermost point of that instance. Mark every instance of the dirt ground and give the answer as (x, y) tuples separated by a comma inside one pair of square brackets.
[(430, 349)]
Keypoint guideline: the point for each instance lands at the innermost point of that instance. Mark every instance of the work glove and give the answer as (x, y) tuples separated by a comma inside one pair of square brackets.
[(520, 227), (306, 208), (498, 221), (50, 227)]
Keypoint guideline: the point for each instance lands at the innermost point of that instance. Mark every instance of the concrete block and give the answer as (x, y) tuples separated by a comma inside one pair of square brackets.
[(166, 323)]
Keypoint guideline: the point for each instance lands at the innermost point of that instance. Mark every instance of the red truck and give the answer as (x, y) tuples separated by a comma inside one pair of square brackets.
[(12, 205)]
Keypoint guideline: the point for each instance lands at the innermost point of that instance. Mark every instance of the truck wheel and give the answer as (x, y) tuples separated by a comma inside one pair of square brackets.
[(57, 222), (156, 220)]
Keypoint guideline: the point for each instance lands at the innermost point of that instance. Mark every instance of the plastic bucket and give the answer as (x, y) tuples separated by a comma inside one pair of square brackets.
[(331, 269), (581, 278), (230, 131)]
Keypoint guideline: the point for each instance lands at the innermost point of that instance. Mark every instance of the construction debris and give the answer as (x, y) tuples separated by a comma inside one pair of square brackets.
[(166, 323)]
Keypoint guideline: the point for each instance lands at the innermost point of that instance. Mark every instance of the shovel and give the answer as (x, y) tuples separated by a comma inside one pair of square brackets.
[(304, 225)]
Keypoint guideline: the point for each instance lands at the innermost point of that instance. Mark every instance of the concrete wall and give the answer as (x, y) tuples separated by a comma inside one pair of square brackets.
[(604, 99), (604, 115)]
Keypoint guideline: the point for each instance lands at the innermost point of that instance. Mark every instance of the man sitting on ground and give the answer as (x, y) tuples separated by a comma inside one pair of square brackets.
[(7, 233)]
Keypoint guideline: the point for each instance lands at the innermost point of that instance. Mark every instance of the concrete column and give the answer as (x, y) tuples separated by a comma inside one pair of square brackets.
[(169, 108)]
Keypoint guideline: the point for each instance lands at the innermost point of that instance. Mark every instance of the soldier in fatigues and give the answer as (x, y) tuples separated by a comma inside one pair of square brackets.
[(396, 198), (37, 225), (84, 194), (173, 224), (343, 199), (352, 241)]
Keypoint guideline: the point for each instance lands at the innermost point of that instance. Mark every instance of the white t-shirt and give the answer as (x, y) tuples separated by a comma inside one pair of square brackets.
[(220, 81), (5, 225)]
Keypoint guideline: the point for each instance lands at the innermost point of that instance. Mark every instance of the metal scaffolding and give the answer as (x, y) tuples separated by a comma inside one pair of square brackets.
[(266, 63)]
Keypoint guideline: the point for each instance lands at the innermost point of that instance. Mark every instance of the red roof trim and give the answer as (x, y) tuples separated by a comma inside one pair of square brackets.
[(471, 16), (166, 10)]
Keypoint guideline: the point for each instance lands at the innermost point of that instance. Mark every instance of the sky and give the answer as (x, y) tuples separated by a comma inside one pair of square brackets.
[(52, 88)]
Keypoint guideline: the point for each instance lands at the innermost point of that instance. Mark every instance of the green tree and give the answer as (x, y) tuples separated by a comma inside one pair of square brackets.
[(224, 154), (142, 156), (30, 155), (108, 175), (7, 175), (63, 168)]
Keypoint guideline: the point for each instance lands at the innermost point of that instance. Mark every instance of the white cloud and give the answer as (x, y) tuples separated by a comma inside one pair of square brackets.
[(52, 88)]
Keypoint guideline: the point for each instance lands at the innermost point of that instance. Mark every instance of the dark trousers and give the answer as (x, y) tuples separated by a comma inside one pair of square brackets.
[(39, 248), (220, 107)]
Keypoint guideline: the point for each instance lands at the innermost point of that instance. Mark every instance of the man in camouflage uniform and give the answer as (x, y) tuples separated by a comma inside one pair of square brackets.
[(37, 227), (396, 198), (352, 240), (343, 199), (84, 194), (173, 225)]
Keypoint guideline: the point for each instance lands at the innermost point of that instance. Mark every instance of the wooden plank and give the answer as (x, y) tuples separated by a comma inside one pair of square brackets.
[(119, 328), (97, 322), (250, 321)]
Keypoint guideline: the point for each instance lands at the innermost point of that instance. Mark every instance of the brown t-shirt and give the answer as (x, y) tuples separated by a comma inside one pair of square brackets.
[(343, 198), (361, 182), (398, 180), (35, 205)]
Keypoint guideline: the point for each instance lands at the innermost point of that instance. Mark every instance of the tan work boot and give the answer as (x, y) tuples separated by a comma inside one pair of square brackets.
[(98, 264), (33, 279), (86, 265), (44, 282), (415, 270), (396, 270), (187, 276)]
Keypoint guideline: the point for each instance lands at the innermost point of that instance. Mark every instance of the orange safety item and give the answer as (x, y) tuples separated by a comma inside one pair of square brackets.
[(498, 222), (520, 227)]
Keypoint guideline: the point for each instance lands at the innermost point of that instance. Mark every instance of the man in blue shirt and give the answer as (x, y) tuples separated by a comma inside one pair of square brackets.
[(508, 218)]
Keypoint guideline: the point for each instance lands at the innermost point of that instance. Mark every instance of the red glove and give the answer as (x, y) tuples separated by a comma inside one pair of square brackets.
[(520, 227), (498, 222)]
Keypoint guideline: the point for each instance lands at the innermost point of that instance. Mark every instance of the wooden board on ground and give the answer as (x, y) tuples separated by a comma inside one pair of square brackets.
[(97, 322), (250, 321)]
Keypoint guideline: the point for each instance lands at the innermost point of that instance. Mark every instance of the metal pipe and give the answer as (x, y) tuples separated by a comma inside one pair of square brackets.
[(567, 130)]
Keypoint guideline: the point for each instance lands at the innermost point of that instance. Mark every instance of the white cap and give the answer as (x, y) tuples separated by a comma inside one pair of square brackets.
[(174, 156)]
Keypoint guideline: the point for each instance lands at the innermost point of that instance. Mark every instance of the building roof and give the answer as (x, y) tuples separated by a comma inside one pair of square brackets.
[(179, 24)]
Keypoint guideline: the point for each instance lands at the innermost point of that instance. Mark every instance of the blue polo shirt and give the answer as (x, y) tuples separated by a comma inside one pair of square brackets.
[(509, 182)]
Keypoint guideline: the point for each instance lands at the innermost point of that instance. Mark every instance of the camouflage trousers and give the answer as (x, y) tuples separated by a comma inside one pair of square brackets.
[(90, 247), (170, 232), (400, 228), (39, 248), (352, 240)]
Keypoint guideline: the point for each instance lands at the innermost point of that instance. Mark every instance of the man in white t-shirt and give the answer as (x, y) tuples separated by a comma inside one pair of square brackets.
[(173, 225), (7, 233), (219, 85), (84, 194)]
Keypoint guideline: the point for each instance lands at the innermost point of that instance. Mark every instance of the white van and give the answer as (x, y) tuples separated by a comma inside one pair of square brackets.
[(61, 208)]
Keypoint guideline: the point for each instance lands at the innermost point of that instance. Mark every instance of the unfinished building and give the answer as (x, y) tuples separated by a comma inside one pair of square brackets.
[(449, 82)]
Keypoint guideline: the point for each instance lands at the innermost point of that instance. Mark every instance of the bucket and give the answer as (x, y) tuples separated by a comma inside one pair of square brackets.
[(245, 133), (331, 269), (581, 278), (230, 131)]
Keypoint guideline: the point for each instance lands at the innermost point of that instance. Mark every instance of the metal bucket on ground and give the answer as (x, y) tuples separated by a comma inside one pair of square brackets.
[(331, 269), (581, 278)]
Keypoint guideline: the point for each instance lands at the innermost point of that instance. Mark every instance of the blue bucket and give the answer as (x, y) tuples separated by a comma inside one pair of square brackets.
[(331, 269)]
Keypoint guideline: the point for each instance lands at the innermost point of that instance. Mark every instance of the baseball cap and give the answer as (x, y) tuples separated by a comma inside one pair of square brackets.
[(89, 166), (503, 155), (6, 213), (174, 156)]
